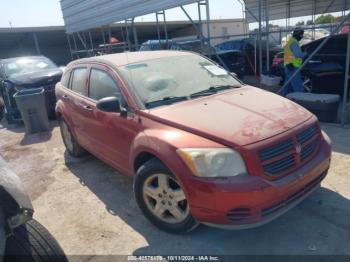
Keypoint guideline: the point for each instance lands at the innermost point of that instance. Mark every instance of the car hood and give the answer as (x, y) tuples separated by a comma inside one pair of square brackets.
[(240, 117), (39, 78)]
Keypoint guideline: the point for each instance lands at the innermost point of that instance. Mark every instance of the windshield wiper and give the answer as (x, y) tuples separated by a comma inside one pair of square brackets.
[(211, 91), (168, 100)]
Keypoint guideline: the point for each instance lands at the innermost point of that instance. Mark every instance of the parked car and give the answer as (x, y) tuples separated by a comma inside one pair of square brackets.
[(200, 146), (21, 237), (246, 47), (27, 72), (325, 73), (233, 60)]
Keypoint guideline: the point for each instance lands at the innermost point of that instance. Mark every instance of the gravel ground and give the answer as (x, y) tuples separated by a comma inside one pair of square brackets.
[(90, 209)]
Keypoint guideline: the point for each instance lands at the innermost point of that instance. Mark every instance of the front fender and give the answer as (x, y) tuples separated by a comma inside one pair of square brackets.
[(163, 143)]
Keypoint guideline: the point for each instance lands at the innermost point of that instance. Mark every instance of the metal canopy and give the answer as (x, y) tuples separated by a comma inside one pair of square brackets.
[(80, 15), (282, 9)]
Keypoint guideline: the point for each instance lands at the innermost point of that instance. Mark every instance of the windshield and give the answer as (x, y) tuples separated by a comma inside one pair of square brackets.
[(179, 76), (27, 65)]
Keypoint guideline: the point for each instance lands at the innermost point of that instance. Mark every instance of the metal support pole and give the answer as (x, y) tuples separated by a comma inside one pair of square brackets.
[(315, 52), (104, 40), (91, 44), (128, 33), (260, 40), (267, 36), (70, 46), (36, 42), (208, 21), (165, 28), (313, 19), (201, 35), (200, 25), (75, 43), (158, 28), (346, 104), (109, 35), (82, 41), (134, 32)]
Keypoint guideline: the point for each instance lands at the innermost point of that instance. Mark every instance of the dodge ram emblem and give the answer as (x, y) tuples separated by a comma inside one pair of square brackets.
[(298, 149)]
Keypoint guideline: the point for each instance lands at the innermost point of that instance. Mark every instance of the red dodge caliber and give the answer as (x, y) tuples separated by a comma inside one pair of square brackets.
[(201, 146)]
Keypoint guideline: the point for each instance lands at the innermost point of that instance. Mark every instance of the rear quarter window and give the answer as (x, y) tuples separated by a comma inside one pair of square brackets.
[(78, 81), (65, 78)]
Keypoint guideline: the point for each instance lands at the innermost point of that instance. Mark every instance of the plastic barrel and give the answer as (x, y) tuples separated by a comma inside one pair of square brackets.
[(32, 105)]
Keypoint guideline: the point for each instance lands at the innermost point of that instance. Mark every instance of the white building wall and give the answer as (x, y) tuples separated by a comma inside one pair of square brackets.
[(224, 29)]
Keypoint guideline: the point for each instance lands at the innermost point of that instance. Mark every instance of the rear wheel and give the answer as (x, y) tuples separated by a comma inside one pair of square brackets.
[(32, 242), (308, 85), (69, 141), (161, 198)]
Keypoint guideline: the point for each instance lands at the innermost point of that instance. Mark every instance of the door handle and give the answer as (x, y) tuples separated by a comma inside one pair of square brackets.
[(88, 108)]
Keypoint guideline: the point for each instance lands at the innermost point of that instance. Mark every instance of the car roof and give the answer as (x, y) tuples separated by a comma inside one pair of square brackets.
[(121, 59)]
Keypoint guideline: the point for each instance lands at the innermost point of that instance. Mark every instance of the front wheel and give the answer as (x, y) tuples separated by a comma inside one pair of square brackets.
[(32, 242), (161, 198)]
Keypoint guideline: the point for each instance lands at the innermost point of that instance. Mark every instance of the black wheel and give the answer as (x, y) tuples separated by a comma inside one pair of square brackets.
[(69, 141), (308, 85), (161, 198), (32, 242)]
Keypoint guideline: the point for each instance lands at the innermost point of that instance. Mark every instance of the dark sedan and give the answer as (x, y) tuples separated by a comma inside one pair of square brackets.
[(23, 73)]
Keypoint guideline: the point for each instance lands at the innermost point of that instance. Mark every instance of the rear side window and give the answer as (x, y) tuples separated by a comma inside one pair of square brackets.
[(102, 85), (78, 80), (65, 79)]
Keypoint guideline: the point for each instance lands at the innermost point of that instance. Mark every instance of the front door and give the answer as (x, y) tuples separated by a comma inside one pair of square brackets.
[(110, 134)]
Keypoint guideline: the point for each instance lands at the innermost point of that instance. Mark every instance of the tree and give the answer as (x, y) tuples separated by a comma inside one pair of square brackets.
[(300, 23), (309, 22), (325, 19)]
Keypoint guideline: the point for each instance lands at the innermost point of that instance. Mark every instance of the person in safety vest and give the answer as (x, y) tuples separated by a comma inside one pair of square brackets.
[(293, 59)]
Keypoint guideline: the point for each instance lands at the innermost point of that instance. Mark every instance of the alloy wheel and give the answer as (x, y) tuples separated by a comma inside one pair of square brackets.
[(165, 198)]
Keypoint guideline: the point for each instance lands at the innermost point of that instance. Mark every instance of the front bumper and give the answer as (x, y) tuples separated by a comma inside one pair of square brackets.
[(251, 201)]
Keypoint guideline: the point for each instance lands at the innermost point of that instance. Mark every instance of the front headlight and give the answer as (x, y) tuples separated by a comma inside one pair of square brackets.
[(213, 162)]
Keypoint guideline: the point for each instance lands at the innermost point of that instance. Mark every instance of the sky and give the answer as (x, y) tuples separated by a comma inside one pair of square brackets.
[(31, 13), (28, 13)]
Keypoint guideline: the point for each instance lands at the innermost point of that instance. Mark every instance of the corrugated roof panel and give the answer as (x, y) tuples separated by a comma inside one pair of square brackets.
[(81, 15), (278, 9)]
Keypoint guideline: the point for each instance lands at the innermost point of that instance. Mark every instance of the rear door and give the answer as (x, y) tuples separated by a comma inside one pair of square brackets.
[(73, 98), (109, 134)]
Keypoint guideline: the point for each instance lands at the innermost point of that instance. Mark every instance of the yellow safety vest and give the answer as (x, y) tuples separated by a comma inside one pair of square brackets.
[(289, 58)]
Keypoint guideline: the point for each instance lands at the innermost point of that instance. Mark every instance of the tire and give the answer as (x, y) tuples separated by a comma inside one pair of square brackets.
[(2, 109), (164, 201), (72, 146), (32, 242)]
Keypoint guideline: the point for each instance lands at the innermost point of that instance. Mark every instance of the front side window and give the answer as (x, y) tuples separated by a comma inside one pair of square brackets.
[(102, 85), (78, 80), (179, 76)]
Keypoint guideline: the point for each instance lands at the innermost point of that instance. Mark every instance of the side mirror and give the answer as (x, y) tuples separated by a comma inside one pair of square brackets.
[(109, 104)]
